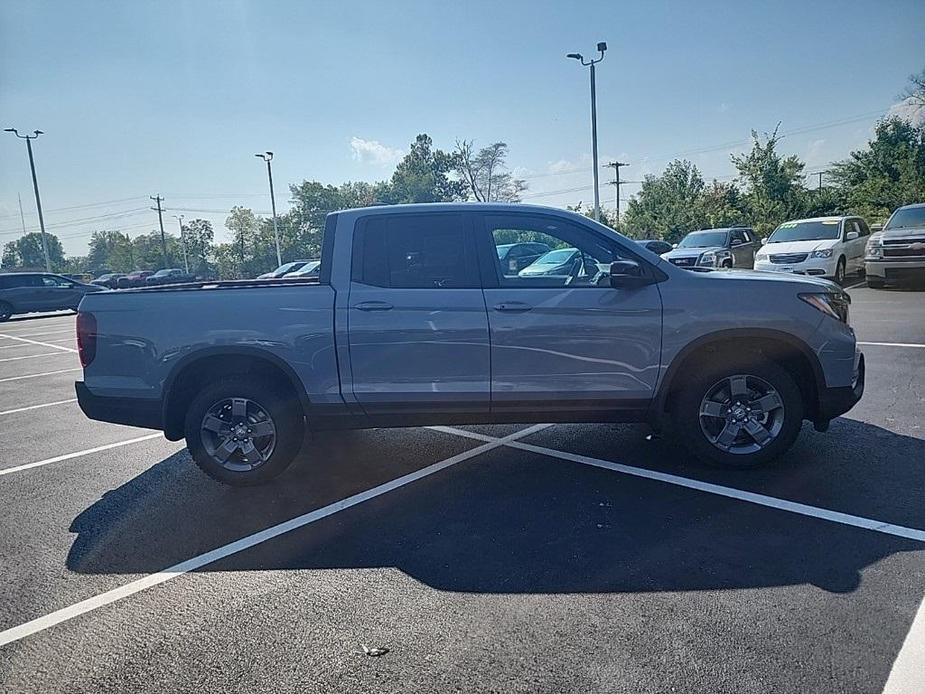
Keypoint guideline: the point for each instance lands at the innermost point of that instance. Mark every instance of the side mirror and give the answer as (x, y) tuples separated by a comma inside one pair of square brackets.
[(851, 236), (764, 240), (627, 274), (673, 246)]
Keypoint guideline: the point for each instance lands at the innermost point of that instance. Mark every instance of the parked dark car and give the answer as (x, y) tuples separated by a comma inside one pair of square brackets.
[(654, 245), (134, 279), (172, 275), (27, 292), (109, 280), (716, 248), (515, 257)]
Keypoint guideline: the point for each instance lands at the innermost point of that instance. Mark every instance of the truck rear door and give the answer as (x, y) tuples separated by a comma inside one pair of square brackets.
[(417, 323)]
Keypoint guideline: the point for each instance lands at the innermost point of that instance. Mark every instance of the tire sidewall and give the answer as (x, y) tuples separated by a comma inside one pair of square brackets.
[(285, 412), (687, 412), (6, 311)]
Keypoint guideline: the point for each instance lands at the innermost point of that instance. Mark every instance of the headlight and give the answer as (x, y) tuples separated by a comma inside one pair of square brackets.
[(708, 258), (824, 253), (874, 247), (761, 256), (834, 305)]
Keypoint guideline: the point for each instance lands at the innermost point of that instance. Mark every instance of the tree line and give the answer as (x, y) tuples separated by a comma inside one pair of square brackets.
[(768, 188)]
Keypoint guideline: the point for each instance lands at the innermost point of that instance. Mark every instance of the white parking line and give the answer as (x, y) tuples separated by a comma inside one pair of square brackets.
[(41, 344), (35, 356), (38, 407), (717, 489), (36, 625), (893, 344), (26, 333), (44, 373), (78, 454), (907, 676)]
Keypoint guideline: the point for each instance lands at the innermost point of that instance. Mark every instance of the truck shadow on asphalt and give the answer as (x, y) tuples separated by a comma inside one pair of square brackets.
[(509, 521)]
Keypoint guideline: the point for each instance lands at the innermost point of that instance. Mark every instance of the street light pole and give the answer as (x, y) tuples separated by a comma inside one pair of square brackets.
[(268, 157), (601, 47), (35, 187), (179, 218)]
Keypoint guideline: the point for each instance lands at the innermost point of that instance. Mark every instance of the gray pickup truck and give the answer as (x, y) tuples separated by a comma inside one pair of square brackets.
[(415, 321)]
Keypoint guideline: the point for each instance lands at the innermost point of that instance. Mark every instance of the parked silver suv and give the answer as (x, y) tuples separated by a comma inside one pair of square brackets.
[(27, 292)]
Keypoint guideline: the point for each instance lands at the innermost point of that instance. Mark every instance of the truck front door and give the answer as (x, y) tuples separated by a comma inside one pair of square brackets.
[(417, 324)]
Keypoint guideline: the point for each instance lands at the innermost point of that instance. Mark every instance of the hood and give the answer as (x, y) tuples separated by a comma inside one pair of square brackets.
[(798, 246), (691, 252), (910, 232), (814, 283)]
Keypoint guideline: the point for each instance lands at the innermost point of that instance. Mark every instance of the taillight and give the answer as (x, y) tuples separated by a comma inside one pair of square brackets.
[(86, 337)]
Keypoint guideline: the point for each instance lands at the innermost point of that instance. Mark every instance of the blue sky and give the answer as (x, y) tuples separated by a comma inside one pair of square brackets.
[(138, 98)]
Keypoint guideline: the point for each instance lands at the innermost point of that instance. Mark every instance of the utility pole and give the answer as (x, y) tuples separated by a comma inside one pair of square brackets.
[(160, 218), (820, 179), (179, 218), (35, 187), (268, 157), (616, 183), (22, 216), (601, 47)]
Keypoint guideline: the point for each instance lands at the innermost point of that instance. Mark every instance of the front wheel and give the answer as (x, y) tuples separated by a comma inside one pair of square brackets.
[(840, 271), (242, 431), (6, 311), (742, 414)]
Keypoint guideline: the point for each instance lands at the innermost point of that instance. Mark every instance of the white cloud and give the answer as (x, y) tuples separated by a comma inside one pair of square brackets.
[(723, 107), (909, 111), (814, 152), (374, 152)]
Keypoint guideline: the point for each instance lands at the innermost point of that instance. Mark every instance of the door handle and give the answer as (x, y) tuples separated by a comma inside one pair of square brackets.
[(373, 306), (513, 306)]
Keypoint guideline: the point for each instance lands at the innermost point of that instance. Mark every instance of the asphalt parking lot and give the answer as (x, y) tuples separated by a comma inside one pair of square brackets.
[(535, 559)]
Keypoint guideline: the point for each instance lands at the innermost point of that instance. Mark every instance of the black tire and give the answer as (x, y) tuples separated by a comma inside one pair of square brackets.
[(6, 311), (286, 419), (840, 270), (727, 264), (693, 434), (875, 284)]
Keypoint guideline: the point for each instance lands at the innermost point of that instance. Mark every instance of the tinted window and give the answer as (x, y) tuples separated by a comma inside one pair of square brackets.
[(52, 281), (415, 252), (865, 230), (738, 236), (13, 281)]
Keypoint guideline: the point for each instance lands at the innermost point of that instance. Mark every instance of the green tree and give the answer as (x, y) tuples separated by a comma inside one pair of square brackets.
[(26, 252), (146, 251), (667, 206), (423, 176), (721, 205), (773, 184), (888, 173), (198, 237), (110, 250), (485, 172)]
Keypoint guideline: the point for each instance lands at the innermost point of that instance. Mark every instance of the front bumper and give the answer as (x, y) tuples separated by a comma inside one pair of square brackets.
[(836, 401), (814, 267), (895, 269), (135, 412)]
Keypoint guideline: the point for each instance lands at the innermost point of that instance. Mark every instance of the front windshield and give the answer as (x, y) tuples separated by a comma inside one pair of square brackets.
[(907, 218), (811, 230), (556, 257), (704, 239), (288, 267)]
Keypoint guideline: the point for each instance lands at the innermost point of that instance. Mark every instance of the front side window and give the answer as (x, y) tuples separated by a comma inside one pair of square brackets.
[(738, 237), (577, 257), (52, 281), (415, 252)]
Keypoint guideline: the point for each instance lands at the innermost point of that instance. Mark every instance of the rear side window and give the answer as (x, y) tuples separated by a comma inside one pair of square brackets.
[(14, 281), (426, 251)]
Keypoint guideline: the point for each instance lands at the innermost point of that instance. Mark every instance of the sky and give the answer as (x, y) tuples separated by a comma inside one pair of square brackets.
[(174, 98)]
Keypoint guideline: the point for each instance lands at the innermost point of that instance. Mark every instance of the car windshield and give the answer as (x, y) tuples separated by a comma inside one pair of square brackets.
[(307, 268), (703, 239), (810, 230), (288, 267), (556, 257), (906, 218)]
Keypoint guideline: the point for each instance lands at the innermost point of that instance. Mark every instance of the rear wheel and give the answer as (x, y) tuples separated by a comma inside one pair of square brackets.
[(242, 431), (726, 264), (741, 414), (6, 310)]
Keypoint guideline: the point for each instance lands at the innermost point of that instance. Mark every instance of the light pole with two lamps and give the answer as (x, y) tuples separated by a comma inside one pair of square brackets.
[(601, 47), (268, 157), (35, 187)]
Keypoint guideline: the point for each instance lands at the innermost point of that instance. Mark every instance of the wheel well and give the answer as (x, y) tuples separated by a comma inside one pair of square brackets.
[(781, 352), (198, 373)]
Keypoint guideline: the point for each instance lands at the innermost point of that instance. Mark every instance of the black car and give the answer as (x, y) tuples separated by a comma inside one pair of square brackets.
[(28, 292), (172, 275), (109, 280), (655, 245)]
